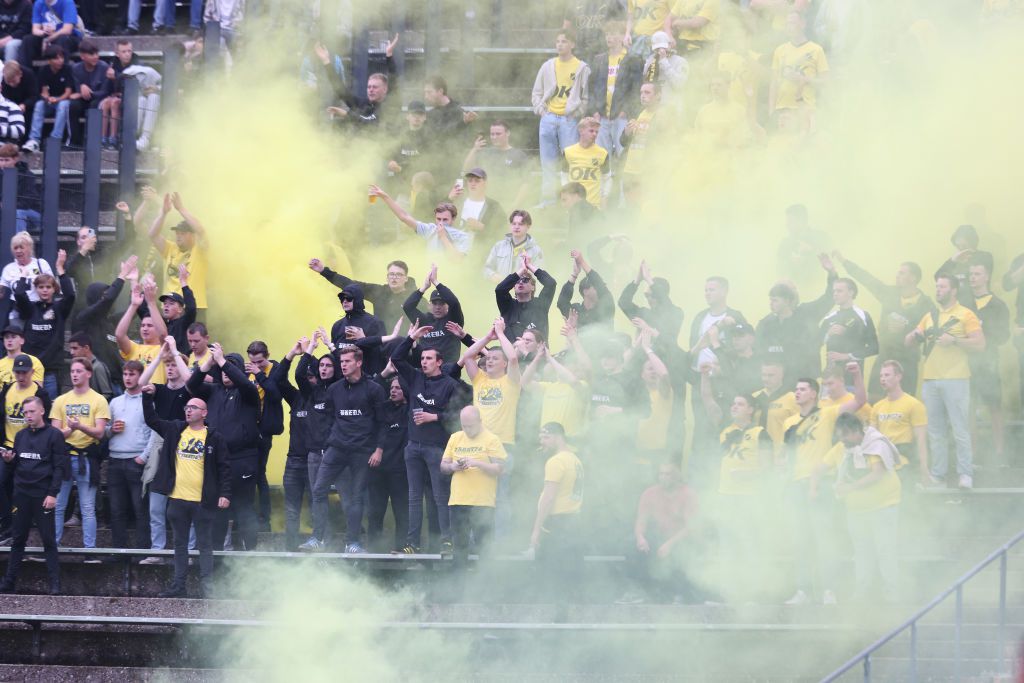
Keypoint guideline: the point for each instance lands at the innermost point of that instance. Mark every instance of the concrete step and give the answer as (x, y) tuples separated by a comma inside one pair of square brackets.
[(104, 674)]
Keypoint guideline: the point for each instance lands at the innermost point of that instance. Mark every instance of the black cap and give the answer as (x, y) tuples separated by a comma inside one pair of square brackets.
[(477, 173), (22, 363), (436, 298), (14, 328), (742, 328), (416, 107), (175, 297), (183, 227)]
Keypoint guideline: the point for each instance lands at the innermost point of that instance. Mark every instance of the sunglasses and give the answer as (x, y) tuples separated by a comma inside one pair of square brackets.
[(347, 298)]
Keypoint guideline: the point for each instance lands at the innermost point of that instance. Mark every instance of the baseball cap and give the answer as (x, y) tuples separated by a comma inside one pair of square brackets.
[(660, 39), (22, 363), (436, 298), (175, 297), (183, 227), (477, 173), (742, 328), (416, 107), (14, 328)]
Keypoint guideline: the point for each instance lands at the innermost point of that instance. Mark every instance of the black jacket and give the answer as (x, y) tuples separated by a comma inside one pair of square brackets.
[(859, 337), (602, 313), (40, 463), (216, 470), (298, 413), (44, 322), (358, 414), (663, 315), (521, 316), (318, 400), (396, 425), (271, 408), (27, 92), (995, 323), (438, 338), (628, 79), (796, 337), (429, 394), (894, 308), (95, 320), (371, 325), (40, 393), (15, 19), (85, 270), (234, 411), (387, 304)]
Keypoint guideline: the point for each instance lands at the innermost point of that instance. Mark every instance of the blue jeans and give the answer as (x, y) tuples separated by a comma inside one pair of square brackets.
[(556, 133), (29, 220), (423, 459), (50, 385), (948, 402), (158, 523), (60, 123), (86, 499), (610, 135)]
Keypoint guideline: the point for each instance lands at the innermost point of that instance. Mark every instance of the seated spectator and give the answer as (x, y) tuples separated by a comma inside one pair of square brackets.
[(111, 105), (15, 24), (441, 235), (505, 165), (149, 102), (20, 87), (509, 251), (54, 24), (56, 86), (12, 122), (91, 86), (25, 266), (28, 216)]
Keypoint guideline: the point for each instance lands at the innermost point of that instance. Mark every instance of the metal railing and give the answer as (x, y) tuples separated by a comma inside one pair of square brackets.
[(863, 658)]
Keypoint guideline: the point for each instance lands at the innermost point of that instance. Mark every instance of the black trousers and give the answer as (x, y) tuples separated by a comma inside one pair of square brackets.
[(6, 496), (244, 471), (262, 486), (124, 485), (560, 558), (385, 485), (32, 48), (29, 510), (182, 514), (470, 519)]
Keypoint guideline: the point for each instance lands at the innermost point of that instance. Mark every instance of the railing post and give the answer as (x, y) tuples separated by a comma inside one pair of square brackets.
[(956, 632), (913, 652), (867, 669), (432, 39), (360, 61), (9, 210), (51, 198), (91, 175), (1001, 638), (129, 126), (468, 41), (169, 84)]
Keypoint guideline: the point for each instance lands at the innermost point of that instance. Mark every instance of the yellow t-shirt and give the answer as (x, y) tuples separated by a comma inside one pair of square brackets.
[(807, 59), (652, 431), (741, 454), (743, 85), (897, 419), (7, 369), (587, 166), (87, 407), (949, 362), (638, 143), (194, 361), (691, 9), (723, 124), (812, 440), (498, 400), (188, 467), (474, 486), (884, 493), (195, 260), (779, 410), (146, 354), (648, 16), (613, 74), (12, 410), (864, 412), (566, 470), (779, 15), (564, 404), (565, 76)]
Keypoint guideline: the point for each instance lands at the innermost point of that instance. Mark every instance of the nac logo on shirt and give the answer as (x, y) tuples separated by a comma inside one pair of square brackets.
[(14, 414), (192, 450), (77, 410), (491, 397)]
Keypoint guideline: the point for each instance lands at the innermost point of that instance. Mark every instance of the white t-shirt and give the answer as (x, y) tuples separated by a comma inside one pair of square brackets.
[(472, 209), (462, 240), (12, 272), (706, 355)]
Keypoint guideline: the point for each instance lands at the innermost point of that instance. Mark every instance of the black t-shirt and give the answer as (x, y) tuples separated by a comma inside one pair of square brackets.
[(56, 82), (170, 403), (26, 91)]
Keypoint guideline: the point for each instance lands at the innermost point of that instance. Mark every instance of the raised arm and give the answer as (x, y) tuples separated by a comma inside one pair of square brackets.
[(468, 358), (400, 213), (192, 221), (121, 331), (157, 226), (149, 291), (507, 349), (860, 396)]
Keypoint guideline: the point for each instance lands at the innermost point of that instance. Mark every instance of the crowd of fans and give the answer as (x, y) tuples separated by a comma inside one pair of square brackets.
[(489, 434)]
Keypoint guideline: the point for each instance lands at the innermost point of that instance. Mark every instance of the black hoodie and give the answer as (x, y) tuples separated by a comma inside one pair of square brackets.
[(298, 413), (41, 461), (95, 320), (429, 394), (371, 325), (44, 322), (311, 408), (438, 338), (359, 422), (233, 411), (521, 316), (396, 424), (15, 19)]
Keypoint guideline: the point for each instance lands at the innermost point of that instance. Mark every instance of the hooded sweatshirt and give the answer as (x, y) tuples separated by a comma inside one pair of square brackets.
[(41, 461), (15, 18), (44, 322), (663, 315), (317, 400), (94, 320), (429, 394), (387, 304), (233, 411), (371, 325), (358, 422), (523, 315), (438, 338)]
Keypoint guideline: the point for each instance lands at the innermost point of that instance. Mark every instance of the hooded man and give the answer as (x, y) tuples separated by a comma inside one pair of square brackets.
[(662, 314), (357, 325)]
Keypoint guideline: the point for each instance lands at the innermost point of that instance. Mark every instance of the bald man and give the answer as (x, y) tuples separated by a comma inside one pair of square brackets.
[(194, 474), (475, 459)]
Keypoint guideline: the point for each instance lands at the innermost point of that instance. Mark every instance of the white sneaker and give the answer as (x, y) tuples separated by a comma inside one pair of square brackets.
[(152, 560), (799, 598), (966, 482), (828, 598), (142, 144), (31, 146)]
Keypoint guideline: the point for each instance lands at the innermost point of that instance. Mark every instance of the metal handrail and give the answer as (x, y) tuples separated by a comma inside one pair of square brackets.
[(864, 656)]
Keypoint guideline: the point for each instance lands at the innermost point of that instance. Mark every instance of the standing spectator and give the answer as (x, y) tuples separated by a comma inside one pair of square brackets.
[(965, 240), (801, 247), (408, 155), (28, 218), (903, 420), (128, 436), (198, 343), (644, 18), (615, 78), (91, 86), (441, 235), (505, 164), (189, 248), (637, 133), (149, 80), (588, 163), (177, 310), (233, 409), (950, 335), (444, 308), (388, 480), (375, 112), (849, 331), (54, 24), (559, 98), (775, 401), (39, 463), (446, 123), (14, 342), (94, 320), (87, 264), (799, 68), (597, 306), (661, 314), (13, 396), (695, 24), (296, 468), (15, 24), (80, 346), (718, 315), (194, 474), (478, 212), (509, 251), (387, 299), (737, 359), (81, 415), (151, 329), (986, 378), (474, 458), (25, 266), (56, 86), (357, 326), (46, 318), (524, 311), (21, 87), (588, 19), (668, 71), (1014, 279), (581, 217), (259, 367)]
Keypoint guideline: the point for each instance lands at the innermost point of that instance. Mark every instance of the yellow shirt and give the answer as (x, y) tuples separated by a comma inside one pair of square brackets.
[(812, 440), (7, 369), (779, 410), (648, 16), (613, 73), (897, 419), (864, 412), (808, 60), (638, 143), (195, 260), (723, 124), (87, 407), (565, 404), (12, 410), (188, 466), (779, 16), (883, 493), (566, 470), (473, 486), (587, 166), (743, 74), (565, 76), (498, 401), (949, 362), (194, 361), (146, 354), (652, 431), (691, 9), (741, 455)]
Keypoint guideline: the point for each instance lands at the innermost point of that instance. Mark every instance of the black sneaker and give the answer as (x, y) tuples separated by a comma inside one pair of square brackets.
[(173, 592), (205, 590), (407, 549)]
